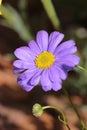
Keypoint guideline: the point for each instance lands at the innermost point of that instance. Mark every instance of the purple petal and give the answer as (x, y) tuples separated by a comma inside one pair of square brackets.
[(29, 84), (55, 78), (45, 81), (52, 36), (65, 52), (23, 64), (34, 47), (57, 85), (59, 72), (24, 53), (69, 61), (53, 75), (54, 39), (26, 86), (17, 70), (42, 40), (64, 45), (27, 75), (24, 78), (71, 58), (36, 78)]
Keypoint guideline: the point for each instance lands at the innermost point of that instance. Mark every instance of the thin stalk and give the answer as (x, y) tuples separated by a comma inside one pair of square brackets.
[(75, 110), (50, 10), (63, 120), (82, 68)]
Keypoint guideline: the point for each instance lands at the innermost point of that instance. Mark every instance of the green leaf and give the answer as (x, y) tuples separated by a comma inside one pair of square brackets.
[(13, 20)]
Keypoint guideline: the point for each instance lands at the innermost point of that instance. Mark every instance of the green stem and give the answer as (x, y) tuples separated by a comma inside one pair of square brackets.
[(75, 110), (50, 10), (81, 68), (63, 120)]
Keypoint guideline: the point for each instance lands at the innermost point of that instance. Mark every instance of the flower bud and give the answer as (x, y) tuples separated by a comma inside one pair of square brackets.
[(37, 110)]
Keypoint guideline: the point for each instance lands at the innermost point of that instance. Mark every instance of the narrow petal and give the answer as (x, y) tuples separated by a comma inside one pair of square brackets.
[(69, 61), (54, 39), (34, 47), (23, 64), (52, 36), (65, 52), (24, 78), (36, 78), (24, 53), (53, 75), (26, 86), (59, 72), (71, 58), (45, 81), (55, 78), (42, 40), (27, 75), (57, 85), (17, 70), (65, 45)]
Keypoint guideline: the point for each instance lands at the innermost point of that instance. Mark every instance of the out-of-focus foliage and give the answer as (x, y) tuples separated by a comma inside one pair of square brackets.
[(0, 5), (13, 20), (78, 81), (50, 10)]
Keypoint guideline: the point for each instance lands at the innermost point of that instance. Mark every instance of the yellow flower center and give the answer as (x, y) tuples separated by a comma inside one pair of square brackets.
[(44, 60)]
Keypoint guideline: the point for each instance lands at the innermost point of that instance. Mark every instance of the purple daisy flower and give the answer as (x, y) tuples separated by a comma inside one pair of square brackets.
[(45, 61)]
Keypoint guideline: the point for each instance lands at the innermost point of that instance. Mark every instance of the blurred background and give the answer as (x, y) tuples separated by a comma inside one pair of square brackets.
[(19, 23)]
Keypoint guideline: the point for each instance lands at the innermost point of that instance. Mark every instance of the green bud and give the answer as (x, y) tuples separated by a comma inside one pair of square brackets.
[(37, 110)]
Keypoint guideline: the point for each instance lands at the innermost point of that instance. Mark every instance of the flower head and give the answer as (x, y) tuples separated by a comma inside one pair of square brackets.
[(45, 61)]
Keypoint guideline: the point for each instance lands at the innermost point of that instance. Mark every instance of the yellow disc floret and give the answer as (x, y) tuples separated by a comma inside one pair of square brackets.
[(44, 60)]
